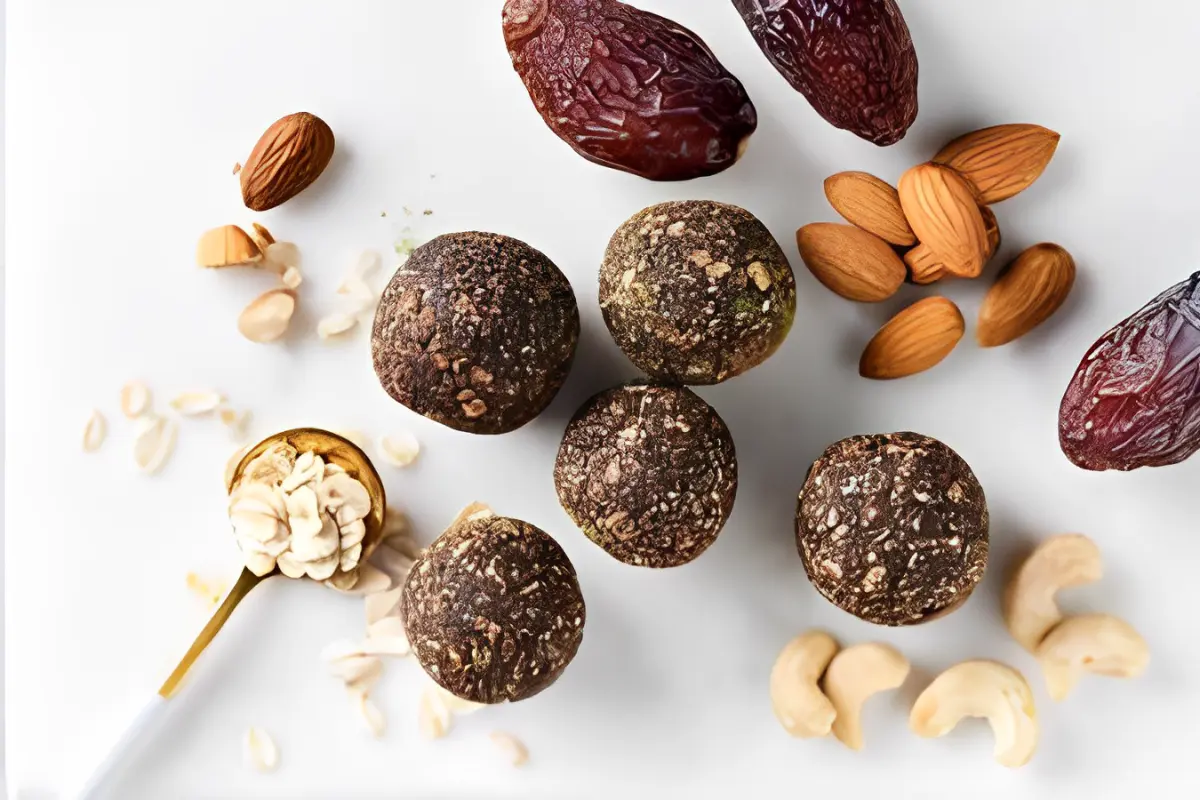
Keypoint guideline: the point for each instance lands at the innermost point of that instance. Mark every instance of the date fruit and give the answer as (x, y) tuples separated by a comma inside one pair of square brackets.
[(1135, 398), (853, 59), (629, 89)]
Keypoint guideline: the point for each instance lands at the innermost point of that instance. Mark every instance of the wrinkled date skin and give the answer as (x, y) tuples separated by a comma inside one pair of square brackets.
[(629, 89), (1135, 399), (853, 59)]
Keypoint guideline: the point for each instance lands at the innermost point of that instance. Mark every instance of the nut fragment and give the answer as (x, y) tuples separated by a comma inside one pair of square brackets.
[(916, 339), (433, 718), (871, 204), (512, 748), (153, 443), (853, 676), (262, 237), (1061, 562), (798, 702), (981, 689), (135, 399), (1097, 643), (227, 246), (259, 750), (292, 278), (401, 449), (372, 716), (94, 432), (336, 325), (192, 404), (266, 319), (943, 212)]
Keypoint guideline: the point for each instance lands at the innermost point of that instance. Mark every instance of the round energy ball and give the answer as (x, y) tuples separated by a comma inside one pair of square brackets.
[(493, 610), (476, 331), (696, 292), (893, 528), (648, 471)]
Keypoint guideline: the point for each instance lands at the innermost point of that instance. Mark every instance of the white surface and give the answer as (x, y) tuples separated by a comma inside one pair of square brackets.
[(124, 121)]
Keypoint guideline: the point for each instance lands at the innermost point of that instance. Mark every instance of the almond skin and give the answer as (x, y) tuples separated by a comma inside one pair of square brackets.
[(1027, 293), (942, 210), (850, 262), (871, 204), (287, 159), (914, 340), (1001, 161)]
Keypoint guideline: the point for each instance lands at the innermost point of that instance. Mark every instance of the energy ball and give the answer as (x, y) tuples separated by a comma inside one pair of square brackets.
[(893, 528), (476, 331), (493, 610), (696, 292), (648, 471)]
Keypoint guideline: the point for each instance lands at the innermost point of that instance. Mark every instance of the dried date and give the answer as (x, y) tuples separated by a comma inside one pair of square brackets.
[(629, 89), (1135, 399), (853, 59)]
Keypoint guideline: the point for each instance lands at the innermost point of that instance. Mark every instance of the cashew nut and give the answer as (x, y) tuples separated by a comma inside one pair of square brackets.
[(1030, 608), (981, 689), (1096, 643), (799, 704), (854, 675)]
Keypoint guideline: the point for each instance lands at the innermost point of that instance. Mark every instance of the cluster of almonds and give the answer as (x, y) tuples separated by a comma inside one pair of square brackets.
[(937, 224), (154, 433), (815, 689)]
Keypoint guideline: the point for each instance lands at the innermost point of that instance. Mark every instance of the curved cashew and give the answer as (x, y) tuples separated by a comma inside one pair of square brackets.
[(854, 675), (1030, 609), (801, 707), (981, 689), (1096, 643)]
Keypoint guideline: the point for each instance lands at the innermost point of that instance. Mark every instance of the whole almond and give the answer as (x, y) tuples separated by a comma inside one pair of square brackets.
[(1027, 293), (923, 266), (914, 340), (227, 246), (871, 204), (287, 159), (1001, 161), (943, 212), (850, 262)]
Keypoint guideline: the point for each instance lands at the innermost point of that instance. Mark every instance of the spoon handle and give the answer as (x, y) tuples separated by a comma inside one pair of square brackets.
[(245, 582)]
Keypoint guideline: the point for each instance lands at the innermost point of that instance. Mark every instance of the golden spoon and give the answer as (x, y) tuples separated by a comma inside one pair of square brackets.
[(334, 449)]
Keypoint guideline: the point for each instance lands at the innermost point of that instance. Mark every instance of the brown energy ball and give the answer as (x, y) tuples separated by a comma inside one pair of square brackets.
[(476, 331), (696, 292), (893, 528), (648, 472), (493, 610)]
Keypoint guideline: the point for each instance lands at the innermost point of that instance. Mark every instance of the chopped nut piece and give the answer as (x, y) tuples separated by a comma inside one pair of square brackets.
[(259, 750), (262, 237), (292, 278), (372, 716), (513, 749), (192, 404), (153, 443), (94, 432), (433, 718), (229, 246), (336, 325), (279, 256), (135, 399), (267, 318), (237, 167), (401, 449)]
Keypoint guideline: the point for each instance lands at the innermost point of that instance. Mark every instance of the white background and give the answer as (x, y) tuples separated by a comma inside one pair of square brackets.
[(124, 121)]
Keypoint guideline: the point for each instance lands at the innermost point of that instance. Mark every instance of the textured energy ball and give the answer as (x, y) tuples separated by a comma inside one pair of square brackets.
[(696, 292), (493, 610), (893, 528), (648, 472), (476, 331)]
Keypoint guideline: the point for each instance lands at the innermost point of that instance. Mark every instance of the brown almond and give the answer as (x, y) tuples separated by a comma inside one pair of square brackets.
[(923, 266), (227, 246), (287, 159), (871, 204), (1026, 293), (1001, 161), (993, 232), (914, 340), (943, 212), (850, 262)]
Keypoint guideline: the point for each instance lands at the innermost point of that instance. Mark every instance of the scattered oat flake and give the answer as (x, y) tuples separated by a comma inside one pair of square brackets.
[(513, 749), (153, 443), (455, 704), (292, 278), (433, 718), (259, 750), (94, 432), (400, 449), (193, 404), (267, 317), (336, 325), (428, 212), (372, 716), (135, 399), (387, 627), (407, 211)]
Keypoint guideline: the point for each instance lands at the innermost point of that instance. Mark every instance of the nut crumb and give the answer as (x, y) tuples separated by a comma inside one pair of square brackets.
[(336, 325), (153, 443), (94, 432), (194, 404), (400, 450), (513, 749), (135, 399), (237, 167), (259, 750)]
